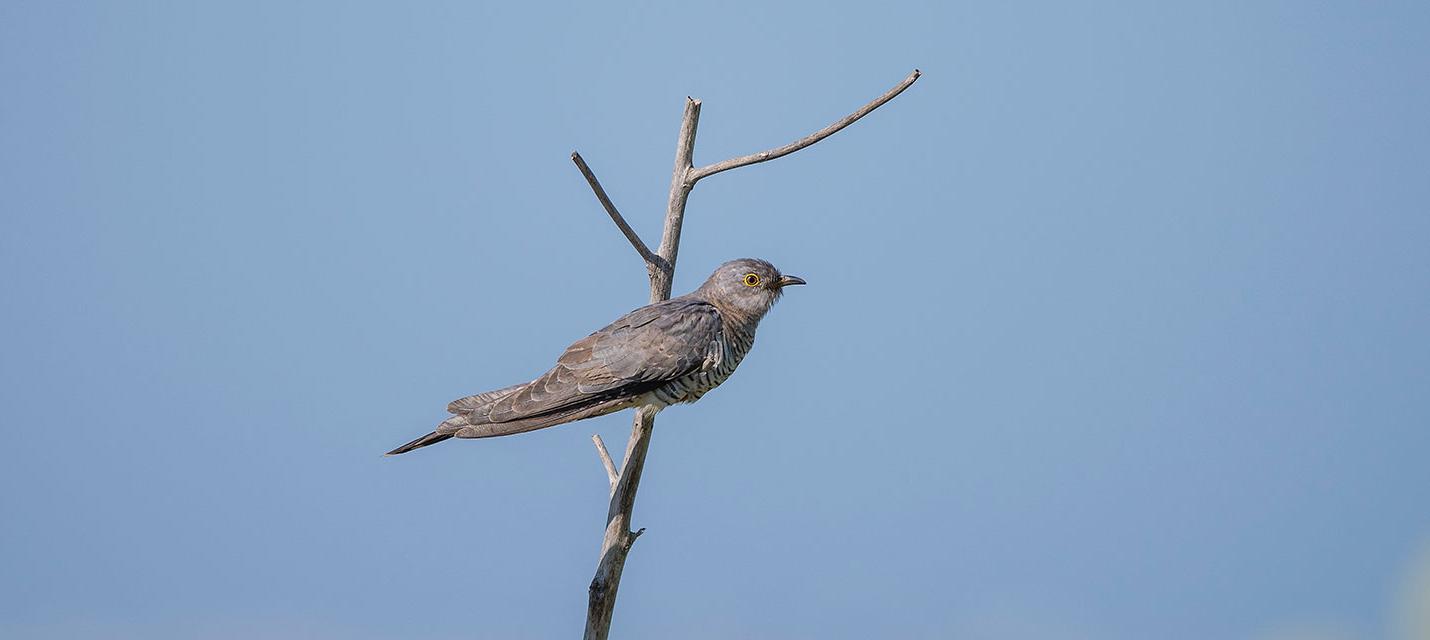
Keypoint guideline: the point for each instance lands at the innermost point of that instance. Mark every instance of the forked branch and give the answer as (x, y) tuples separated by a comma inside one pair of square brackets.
[(616, 544)]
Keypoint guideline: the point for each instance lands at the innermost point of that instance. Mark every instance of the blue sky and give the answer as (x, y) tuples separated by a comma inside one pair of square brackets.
[(1117, 324)]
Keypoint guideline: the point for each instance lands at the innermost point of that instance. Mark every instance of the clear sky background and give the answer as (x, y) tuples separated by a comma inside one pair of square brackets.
[(1118, 323)]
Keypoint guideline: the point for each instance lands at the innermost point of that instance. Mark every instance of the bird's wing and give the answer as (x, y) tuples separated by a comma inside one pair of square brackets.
[(639, 352)]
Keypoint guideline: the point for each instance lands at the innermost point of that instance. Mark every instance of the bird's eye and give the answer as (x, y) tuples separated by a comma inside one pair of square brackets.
[(752, 280)]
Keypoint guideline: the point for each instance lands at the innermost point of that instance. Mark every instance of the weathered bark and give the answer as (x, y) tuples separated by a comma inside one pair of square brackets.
[(616, 544)]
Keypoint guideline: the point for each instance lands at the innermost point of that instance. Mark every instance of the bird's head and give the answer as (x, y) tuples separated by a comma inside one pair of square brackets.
[(748, 286)]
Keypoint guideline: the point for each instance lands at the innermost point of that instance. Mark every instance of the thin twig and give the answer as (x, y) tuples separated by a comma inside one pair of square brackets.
[(646, 254), (606, 460), (733, 163)]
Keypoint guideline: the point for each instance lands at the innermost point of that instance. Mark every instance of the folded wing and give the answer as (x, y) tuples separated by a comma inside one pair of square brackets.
[(603, 372)]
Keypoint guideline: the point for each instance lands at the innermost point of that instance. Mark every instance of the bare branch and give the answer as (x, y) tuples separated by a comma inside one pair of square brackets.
[(650, 258), (606, 460), (618, 538), (733, 163), (680, 186)]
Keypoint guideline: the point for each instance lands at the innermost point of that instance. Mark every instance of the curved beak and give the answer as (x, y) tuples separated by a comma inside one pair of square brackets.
[(786, 281)]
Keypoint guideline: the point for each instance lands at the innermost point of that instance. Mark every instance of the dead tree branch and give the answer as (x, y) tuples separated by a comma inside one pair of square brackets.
[(652, 261), (755, 158), (606, 460), (616, 544)]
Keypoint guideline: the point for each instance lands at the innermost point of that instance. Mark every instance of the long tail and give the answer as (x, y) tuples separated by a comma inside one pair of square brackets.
[(431, 438), (470, 422)]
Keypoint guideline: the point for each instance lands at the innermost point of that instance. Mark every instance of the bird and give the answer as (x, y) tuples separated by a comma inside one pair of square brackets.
[(665, 353)]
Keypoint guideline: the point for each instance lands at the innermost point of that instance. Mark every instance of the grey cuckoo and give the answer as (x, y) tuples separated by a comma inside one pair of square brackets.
[(658, 355)]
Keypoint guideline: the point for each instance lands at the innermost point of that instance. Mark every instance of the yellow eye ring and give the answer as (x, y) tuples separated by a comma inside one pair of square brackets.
[(751, 280)]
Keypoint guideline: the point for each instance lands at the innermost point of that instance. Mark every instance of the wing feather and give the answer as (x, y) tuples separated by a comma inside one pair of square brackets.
[(638, 352)]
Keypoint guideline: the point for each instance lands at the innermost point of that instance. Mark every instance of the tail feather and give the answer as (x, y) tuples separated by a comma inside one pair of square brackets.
[(470, 404), (431, 438), (471, 423), (462, 427)]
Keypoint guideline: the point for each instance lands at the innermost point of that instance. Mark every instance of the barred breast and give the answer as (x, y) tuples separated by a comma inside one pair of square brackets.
[(729, 349)]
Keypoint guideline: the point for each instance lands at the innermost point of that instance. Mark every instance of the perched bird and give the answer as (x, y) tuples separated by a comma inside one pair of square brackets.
[(658, 355)]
